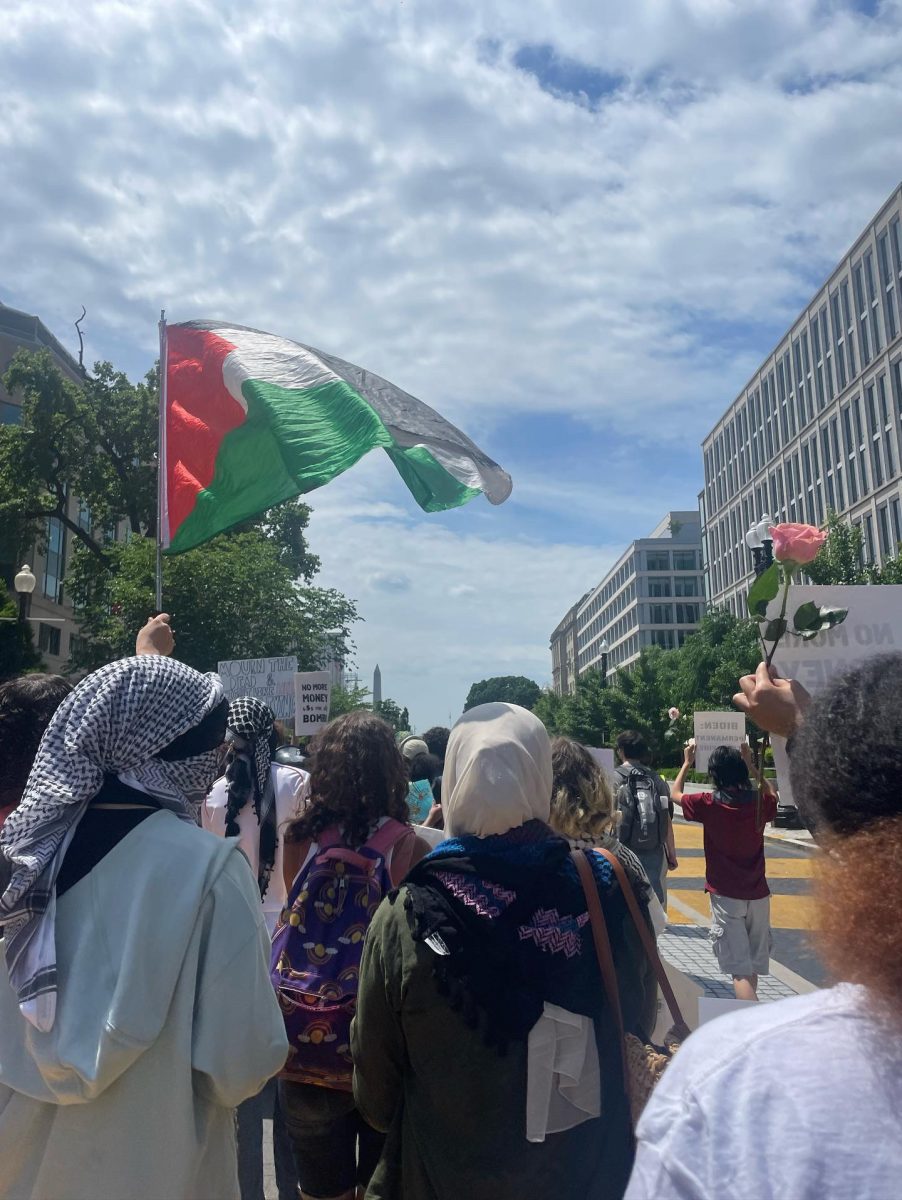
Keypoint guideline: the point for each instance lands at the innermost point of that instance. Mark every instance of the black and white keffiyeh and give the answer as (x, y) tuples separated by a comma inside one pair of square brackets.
[(249, 776), (115, 722)]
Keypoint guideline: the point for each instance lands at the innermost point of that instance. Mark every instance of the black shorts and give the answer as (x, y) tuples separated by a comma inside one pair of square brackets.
[(334, 1148)]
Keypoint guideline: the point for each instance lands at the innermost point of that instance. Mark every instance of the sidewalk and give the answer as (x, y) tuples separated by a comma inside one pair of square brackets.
[(688, 948)]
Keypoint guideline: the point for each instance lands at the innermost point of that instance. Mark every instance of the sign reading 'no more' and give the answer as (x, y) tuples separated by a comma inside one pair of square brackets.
[(311, 701)]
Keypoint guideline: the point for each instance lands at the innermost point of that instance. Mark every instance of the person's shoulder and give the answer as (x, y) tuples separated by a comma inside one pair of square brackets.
[(186, 847), (390, 923), (766, 1038), (290, 780)]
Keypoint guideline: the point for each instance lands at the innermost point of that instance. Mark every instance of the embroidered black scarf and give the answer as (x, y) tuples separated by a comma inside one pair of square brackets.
[(506, 920)]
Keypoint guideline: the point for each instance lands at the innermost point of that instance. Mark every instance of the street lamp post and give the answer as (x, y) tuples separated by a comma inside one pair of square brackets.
[(761, 544), (24, 583)]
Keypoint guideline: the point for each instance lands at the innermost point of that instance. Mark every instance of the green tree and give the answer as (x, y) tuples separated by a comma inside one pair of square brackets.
[(96, 441), (551, 708), (231, 598), (840, 559), (348, 699), (510, 689), (17, 652), (389, 711), (703, 674), (712, 660)]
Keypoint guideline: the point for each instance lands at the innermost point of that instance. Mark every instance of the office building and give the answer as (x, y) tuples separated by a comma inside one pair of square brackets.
[(652, 596), (817, 427)]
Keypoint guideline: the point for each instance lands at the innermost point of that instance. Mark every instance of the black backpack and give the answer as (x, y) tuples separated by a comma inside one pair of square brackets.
[(638, 798)]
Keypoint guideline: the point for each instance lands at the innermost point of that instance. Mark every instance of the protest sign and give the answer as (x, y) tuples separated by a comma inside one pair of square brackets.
[(269, 679), (312, 691), (873, 626), (604, 756), (713, 729)]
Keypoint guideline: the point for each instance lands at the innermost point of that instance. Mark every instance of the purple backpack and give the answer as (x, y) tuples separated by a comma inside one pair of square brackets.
[(317, 947)]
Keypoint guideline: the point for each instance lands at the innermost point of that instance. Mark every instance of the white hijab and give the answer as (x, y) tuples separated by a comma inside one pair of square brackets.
[(497, 777), (497, 772)]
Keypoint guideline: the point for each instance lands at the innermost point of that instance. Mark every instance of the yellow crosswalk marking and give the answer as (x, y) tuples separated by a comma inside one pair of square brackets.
[(688, 836), (786, 912), (777, 868)]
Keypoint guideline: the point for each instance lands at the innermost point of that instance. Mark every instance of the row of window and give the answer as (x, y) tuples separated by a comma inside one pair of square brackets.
[(850, 455), (588, 646), (839, 340), (610, 589), (679, 585), (613, 598), (667, 560), (732, 565), (670, 614)]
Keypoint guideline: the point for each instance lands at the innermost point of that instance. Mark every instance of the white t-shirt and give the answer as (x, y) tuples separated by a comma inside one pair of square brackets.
[(800, 1099), (290, 785)]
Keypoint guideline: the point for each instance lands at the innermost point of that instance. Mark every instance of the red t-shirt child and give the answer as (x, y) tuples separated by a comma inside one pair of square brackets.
[(734, 847)]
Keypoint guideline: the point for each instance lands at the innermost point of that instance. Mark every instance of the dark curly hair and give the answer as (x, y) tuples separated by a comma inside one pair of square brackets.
[(436, 739), (26, 706), (357, 776), (846, 760), (846, 775)]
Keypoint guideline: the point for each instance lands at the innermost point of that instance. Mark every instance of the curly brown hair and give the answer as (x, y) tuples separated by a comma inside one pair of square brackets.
[(859, 940), (582, 805), (357, 775)]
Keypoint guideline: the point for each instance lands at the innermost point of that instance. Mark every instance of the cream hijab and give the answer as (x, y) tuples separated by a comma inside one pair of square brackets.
[(497, 771)]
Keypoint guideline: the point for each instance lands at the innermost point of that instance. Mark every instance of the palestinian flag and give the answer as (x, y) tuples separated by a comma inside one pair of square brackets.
[(250, 419)]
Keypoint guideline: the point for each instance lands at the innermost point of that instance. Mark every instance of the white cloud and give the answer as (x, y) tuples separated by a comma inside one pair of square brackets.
[(359, 175), (381, 180), (476, 605)]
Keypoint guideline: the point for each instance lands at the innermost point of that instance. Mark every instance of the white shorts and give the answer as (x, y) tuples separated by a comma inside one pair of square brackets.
[(740, 935)]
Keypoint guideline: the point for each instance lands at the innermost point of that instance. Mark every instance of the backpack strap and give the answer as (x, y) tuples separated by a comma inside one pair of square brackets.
[(648, 942), (328, 838), (388, 834), (580, 859)]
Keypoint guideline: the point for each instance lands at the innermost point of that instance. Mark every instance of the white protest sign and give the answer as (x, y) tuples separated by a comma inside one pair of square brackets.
[(713, 729), (873, 626), (269, 679), (312, 692), (712, 1007), (604, 756)]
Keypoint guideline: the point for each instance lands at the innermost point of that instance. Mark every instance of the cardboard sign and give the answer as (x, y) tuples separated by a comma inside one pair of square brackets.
[(604, 756), (712, 1007), (713, 729), (873, 626), (269, 679), (312, 693)]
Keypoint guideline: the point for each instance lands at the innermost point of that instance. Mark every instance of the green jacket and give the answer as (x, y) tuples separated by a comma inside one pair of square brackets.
[(453, 1109)]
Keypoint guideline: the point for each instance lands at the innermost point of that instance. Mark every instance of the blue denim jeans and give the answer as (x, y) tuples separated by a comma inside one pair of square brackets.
[(251, 1115)]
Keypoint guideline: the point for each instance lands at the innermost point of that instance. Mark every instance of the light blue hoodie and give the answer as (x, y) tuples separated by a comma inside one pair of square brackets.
[(166, 1020)]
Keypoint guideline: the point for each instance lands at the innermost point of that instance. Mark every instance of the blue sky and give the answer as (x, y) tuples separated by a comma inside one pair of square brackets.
[(574, 229)]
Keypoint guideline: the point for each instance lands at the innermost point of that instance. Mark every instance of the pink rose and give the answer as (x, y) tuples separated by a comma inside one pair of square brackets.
[(797, 544), (673, 713)]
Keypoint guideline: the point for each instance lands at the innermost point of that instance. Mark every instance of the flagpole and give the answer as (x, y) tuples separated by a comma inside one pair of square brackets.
[(161, 459)]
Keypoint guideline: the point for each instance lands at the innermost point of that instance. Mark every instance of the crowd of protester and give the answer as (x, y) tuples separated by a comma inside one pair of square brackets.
[(390, 951)]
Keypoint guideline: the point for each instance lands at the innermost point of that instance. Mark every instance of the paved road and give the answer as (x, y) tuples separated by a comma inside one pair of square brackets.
[(789, 871)]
